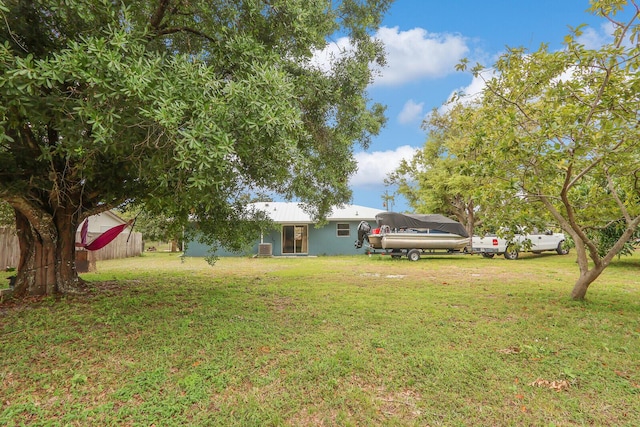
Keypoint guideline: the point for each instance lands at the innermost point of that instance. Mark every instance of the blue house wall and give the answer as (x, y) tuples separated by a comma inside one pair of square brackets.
[(325, 240), (321, 241)]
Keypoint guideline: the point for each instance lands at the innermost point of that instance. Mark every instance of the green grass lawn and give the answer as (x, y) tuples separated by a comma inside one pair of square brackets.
[(327, 341)]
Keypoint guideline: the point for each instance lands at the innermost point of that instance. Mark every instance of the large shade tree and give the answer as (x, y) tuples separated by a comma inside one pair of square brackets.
[(438, 178), (182, 107), (561, 129)]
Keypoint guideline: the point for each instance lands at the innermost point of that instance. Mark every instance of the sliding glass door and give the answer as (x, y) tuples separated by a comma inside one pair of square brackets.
[(294, 239)]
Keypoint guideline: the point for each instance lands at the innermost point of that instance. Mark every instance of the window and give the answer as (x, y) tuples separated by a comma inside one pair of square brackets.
[(343, 230)]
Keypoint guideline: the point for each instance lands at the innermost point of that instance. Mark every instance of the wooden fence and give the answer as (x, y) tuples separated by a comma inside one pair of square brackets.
[(124, 246), (9, 250)]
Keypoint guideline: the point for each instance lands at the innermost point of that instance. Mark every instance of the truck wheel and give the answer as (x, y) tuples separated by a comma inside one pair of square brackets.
[(511, 253), (562, 248), (413, 255), (487, 255)]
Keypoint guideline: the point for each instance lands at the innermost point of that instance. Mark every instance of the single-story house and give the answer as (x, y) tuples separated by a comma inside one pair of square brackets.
[(298, 235)]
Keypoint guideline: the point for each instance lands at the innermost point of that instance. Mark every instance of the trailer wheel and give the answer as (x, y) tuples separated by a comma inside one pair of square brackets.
[(413, 255), (487, 255)]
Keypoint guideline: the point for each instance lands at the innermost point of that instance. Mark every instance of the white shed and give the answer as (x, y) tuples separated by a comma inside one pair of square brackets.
[(101, 222)]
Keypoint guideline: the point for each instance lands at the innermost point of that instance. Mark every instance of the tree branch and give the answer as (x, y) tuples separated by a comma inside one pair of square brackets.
[(174, 30), (592, 165), (608, 70), (38, 217), (158, 15), (579, 236), (624, 238), (616, 197)]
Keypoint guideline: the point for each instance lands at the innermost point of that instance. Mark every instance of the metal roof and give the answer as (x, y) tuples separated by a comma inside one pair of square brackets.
[(291, 212)]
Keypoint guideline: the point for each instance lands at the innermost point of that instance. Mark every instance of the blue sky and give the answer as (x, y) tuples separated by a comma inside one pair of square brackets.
[(424, 40)]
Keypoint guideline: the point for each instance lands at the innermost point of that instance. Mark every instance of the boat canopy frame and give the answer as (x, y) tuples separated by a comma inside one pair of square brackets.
[(420, 221)]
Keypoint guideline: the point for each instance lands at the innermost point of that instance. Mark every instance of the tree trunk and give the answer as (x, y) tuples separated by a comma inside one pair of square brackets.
[(586, 278), (580, 289), (47, 256)]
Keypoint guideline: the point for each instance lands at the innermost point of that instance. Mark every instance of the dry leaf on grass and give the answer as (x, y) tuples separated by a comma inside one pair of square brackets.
[(553, 385), (622, 374), (510, 350)]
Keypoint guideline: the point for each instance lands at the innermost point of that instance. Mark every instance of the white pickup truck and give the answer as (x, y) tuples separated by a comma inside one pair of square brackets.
[(491, 245)]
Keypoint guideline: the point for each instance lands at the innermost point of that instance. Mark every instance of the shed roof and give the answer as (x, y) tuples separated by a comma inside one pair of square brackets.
[(113, 215), (291, 212)]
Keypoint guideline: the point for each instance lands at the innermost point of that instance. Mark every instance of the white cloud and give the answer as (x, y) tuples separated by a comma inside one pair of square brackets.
[(471, 92), (591, 39), (324, 58), (416, 54), (374, 167), (594, 39), (410, 112), (411, 55), (477, 84)]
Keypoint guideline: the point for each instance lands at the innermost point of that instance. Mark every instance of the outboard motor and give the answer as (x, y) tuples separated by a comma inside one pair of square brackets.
[(363, 230)]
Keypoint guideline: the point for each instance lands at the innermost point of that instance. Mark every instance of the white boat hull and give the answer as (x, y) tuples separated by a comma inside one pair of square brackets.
[(375, 241), (423, 241)]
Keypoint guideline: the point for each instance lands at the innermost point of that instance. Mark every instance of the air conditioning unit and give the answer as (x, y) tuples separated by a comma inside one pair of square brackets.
[(264, 249)]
